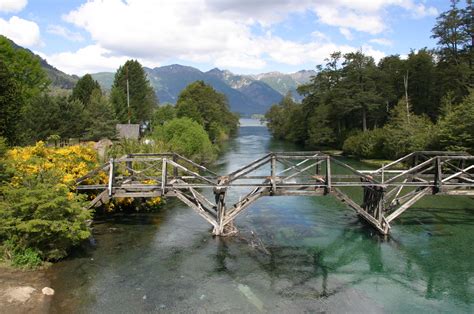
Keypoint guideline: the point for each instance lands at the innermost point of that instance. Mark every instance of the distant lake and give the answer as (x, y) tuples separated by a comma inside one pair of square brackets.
[(250, 122)]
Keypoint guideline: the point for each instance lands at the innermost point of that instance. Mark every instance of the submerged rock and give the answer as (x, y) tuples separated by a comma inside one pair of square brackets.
[(245, 290), (19, 294), (47, 291)]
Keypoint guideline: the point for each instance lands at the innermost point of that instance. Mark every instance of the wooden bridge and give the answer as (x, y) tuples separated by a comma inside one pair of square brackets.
[(378, 196)]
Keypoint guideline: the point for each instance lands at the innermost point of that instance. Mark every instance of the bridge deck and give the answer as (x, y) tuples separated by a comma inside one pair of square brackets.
[(385, 193)]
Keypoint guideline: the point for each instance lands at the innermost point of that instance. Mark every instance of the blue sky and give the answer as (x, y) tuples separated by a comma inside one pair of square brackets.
[(244, 36)]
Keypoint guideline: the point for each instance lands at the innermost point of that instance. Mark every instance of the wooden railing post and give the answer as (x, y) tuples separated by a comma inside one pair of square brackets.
[(273, 173), (175, 170), (273, 165), (163, 177), (438, 176), (111, 176), (129, 165), (328, 175)]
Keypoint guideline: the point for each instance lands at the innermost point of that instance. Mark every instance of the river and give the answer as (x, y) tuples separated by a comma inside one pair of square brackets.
[(309, 254)]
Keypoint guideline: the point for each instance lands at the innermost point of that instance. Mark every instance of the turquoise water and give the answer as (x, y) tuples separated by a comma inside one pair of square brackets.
[(293, 255)]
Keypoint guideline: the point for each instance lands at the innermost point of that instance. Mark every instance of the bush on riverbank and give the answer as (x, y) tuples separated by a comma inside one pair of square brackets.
[(403, 134), (41, 218), (188, 138)]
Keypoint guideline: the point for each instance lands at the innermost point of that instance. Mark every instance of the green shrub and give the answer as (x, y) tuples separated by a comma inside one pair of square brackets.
[(42, 218), (20, 257), (365, 144), (403, 134), (187, 137), (456, 127)]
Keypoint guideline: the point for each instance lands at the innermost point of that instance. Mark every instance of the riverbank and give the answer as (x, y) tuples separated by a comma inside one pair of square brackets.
[(20, 291)]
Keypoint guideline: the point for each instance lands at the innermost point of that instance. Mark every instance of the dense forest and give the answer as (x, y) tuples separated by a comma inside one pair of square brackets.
[(389, 108)]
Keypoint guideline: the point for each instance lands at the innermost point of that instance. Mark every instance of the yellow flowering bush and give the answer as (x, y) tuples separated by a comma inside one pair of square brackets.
[(68, 163)]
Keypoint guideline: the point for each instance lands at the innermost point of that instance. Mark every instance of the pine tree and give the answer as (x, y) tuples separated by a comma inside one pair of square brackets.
[(84, 89), (101, 118), (142, 96)]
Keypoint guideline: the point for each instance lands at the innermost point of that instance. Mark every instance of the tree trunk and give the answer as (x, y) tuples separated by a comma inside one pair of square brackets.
[(364, 120)]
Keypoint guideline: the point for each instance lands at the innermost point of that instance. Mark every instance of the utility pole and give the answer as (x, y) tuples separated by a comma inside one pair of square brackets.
[(128, 98), (405, 83)]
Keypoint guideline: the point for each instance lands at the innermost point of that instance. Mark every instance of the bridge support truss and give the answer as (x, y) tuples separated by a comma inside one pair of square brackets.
[(379, 196)]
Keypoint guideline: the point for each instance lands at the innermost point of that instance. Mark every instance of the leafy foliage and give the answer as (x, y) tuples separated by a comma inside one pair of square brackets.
[(456, 127), (351, 93), (285, 120), (368, 144), (163, 114), (187, 137), (201, 103), (39, 215), (10, 106), (43, 216), (401, 135)]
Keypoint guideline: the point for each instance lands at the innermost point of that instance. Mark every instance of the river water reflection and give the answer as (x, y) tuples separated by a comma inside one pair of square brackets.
[(309, 254)]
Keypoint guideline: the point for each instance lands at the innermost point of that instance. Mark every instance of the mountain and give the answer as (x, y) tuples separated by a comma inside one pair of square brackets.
[(247, 94), (284, 83), (58, 78), (170, 80), (259, 92)]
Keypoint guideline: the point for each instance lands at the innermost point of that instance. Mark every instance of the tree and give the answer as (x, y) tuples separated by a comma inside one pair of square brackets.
[(49, 115), (24, 68), (73, 118), (360, 76), (84, 89), (101, 118), (209, 108), (286, 120), (163, 114), (22, 80), (456, 127), (42, 118), (142, 96), (403, 135), (422, 89), (186, 136), (10, 107), (453, 32)]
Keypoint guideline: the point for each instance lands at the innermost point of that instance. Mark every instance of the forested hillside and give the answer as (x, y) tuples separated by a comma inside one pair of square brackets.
[(57, 78), (385, 109)]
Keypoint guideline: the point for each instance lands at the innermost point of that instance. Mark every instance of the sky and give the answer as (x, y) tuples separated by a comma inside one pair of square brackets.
[(243, 36)]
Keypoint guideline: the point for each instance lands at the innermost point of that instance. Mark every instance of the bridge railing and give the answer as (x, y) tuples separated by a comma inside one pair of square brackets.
[(378, 195)]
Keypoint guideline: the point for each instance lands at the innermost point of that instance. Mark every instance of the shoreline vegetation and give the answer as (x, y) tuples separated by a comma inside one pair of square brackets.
[(42, 217), (387, 109)]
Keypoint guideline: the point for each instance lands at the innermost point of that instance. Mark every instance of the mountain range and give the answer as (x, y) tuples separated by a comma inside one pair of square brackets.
[(247, 94)]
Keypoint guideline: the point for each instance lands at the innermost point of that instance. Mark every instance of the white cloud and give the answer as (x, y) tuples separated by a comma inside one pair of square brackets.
[(346, 33), (12, 6), (89, 59), (382, 41), (23, 32), (219, 32), (64, 32)]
